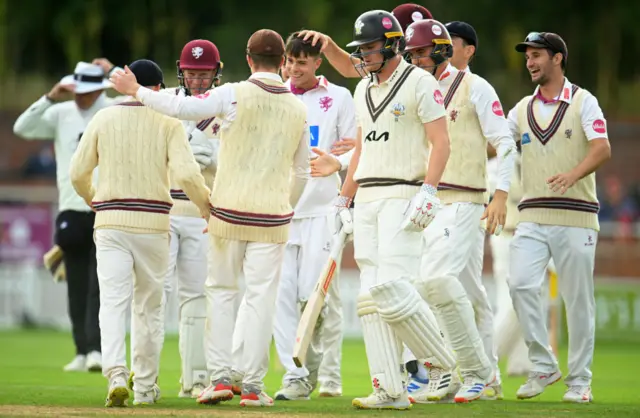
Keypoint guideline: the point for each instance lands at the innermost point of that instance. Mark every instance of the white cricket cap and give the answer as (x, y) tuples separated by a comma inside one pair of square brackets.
[(87, 78)]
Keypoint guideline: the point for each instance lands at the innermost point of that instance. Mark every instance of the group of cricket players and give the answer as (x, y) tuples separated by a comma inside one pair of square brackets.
[(204, 183)]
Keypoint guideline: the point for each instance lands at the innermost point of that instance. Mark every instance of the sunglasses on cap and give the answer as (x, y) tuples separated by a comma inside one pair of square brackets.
[(539, 38)]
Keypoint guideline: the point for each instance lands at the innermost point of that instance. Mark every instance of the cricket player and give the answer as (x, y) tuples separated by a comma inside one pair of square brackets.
[(264, 136), (399, 112), (564, 140), (465, 44), (331, 117), (53, 118), (341, 60), (137, 150), (455, 240)]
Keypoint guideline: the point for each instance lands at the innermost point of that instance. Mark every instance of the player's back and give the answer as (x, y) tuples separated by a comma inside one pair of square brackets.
[(255, 160)]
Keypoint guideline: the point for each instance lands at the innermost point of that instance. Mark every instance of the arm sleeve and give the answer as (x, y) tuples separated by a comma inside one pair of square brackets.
[(301, 169), (38, 121), (495, 128), (184, 169), (347, 127), (430, 99), (85, 160), (512, 121), (216, 102), (593, 122)]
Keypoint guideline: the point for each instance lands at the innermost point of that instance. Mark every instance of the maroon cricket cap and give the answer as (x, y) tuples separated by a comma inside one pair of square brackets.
[(266, 42), (409, 12)]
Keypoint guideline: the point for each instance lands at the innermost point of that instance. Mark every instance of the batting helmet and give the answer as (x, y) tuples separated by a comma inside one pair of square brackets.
[(426, 33), (409, 12), (200, 55)]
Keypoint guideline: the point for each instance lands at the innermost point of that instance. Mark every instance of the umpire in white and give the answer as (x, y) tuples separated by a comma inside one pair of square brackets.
[(53, 118)]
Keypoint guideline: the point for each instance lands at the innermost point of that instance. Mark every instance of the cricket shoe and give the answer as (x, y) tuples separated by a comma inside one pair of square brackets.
[(330, 390), (94, 361), (578, 394), (254, 397), (147, 398), (492, 392), (78, 364), (118, 392), (379, 399), (442, 383), (218, 391), (471, 389), (195, 391), (295, 390), (536, 383), (417, 389)]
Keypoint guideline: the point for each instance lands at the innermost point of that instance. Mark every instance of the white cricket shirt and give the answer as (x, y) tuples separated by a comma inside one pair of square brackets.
[(63, 123), (331, 115)]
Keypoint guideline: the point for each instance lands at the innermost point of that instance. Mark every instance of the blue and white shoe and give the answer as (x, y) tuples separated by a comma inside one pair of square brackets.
[(418, 389), (471, 390)]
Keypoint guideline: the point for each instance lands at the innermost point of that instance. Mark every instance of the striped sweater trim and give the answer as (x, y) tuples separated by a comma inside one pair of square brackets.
[(560, 203), (386, 181), (454, 87), (130, 103), (203, 124), (178, 194), (134, 205), (268, 88), (251, 219), (449, 186), (544, 135), (376, 111)]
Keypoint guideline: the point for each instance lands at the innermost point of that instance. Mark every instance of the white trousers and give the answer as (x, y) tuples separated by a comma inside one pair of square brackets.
[(509, 341), (306, 254), (187, 269), (131, 270), (454, 249), (261, 264), (573, 251)]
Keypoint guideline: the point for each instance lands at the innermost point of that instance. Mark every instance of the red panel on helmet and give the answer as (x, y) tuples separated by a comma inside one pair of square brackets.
[(199, 54)]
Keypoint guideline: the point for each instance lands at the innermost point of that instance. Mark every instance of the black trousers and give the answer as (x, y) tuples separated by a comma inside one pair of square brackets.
[(74, 235)]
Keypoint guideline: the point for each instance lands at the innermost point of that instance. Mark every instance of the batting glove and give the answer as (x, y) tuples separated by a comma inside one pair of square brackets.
[(422, 209), (343, 216), (202, 148)]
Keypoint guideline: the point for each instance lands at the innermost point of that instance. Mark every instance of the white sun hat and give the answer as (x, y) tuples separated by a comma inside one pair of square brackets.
[(87, 78)]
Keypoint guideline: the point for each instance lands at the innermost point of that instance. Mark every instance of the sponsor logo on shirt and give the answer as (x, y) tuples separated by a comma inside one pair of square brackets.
[(599, 126), (314, 135)]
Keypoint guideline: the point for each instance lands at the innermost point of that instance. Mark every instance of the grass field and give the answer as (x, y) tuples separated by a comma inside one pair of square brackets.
[(32, 383)]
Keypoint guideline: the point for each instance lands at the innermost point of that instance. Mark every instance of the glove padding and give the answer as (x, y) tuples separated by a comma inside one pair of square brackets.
[(420, 211), (342, 217), (203, 149)]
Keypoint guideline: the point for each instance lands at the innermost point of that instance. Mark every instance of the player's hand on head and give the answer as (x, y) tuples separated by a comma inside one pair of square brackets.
[(421, 209), (61, 92), (496, 213), (314, 37), (343, 146), (104, 63), (324, 165), (124, 82)]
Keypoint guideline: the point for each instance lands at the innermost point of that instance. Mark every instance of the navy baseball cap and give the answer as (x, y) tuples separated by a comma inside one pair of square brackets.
[(147, 73), (463, 30)]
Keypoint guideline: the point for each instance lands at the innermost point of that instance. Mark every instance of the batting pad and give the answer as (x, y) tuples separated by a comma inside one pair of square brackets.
[(448, 297), (383, 348), (400, 305), (193, 314)]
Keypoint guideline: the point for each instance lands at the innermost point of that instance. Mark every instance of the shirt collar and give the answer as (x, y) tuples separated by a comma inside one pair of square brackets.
[(467, 69), (399, 69), (321, 83), (566, 95), (448, 75), (268, 76)]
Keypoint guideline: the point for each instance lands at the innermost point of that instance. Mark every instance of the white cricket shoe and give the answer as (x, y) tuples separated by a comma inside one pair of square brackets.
[(578, 394), (218, 391), (295, 390), (536, 383), (147, 398), (252, 397), (442, 383), (78, 364), (330, 390), (379, 399), (471, 389), (118, 391), (418, 389), (94, 361)]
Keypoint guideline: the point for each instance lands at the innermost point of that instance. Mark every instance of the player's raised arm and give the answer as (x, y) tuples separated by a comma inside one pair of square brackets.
[(337, 57)]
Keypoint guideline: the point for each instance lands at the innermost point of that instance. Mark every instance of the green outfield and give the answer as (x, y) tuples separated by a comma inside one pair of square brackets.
[(33, 383)]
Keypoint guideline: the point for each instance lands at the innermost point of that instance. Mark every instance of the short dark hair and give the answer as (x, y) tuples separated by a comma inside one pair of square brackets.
[(266, 61), (296, 47)]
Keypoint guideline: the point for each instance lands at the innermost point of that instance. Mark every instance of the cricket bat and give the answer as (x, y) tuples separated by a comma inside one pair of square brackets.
[(554, 309), (312, 310)]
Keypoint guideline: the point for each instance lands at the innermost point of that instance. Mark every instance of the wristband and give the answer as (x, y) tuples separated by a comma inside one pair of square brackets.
[(429, 189)]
